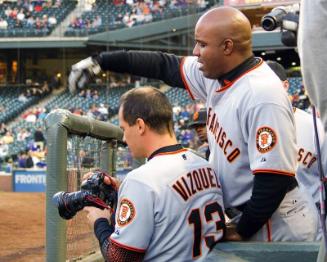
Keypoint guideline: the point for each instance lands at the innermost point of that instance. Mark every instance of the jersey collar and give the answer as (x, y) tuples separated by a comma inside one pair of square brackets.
[(167, 150), (229, 78)]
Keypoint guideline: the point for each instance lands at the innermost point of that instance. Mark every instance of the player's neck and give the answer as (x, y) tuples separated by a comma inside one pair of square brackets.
[(156, 141)]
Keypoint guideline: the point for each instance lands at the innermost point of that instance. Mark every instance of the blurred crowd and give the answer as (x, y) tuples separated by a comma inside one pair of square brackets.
[(34, 140), (23, 14), (141, 11)]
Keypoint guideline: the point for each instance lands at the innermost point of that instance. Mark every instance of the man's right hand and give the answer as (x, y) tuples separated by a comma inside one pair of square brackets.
[(82, 73), (108, 180)]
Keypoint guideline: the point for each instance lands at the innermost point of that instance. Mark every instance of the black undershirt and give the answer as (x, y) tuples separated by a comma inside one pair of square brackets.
[(166, 149), (158, 65), (268, 192), (103, 230)]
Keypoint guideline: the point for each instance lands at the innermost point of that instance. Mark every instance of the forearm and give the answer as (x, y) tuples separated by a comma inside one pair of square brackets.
[(102, 231), (157, 65), (112, 252), (268, 192)]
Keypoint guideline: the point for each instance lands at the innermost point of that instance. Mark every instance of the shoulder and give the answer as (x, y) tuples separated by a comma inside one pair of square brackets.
[(262, 86), (304, 120), (190, 71), (301, 114), (303, 117)]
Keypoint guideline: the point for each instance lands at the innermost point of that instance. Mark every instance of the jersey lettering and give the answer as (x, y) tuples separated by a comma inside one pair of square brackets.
[(195, 181), (212, 213), (306, 158), (221, 137)]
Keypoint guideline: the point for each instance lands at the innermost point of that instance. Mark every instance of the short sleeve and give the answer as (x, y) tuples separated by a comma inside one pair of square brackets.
[(193, 78), (272, 139), (134, 216)]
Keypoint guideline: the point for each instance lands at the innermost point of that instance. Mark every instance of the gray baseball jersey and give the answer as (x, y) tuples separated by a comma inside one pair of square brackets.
[(307, 172), (171, 208), (251, 129)]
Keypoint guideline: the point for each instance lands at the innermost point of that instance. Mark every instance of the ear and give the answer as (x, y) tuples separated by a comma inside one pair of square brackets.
[(228, 46), (286, 85), (140, 126)]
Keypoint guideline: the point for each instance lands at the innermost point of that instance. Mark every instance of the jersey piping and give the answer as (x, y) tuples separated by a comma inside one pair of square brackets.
[(171, 153), (268, 224), (139, 250), (168, 150), (229, 83), (272, 171)]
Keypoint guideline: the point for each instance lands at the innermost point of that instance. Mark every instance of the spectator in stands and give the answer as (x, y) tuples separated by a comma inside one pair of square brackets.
[(23, 134), (85, 160), (30, 22), (93, 112), (82, 93), (29, 160), (45, 21), (104, 113), (30, 116), (21, 16), (52, 21), (8, 11), (22, 98), (97, 22), (39, 138), (95, 95), (38, 23), (8, 138), (88, 93), (3, 24), (3, 129), (18, 24), (22, 157), (57, 3), (43, 113), (4, 149)]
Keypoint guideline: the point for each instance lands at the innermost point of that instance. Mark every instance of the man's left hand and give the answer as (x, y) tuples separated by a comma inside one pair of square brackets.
[(94, 213), (231, 234)]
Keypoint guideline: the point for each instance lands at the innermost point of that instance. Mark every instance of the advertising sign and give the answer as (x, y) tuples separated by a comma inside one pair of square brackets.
[(29, 180)]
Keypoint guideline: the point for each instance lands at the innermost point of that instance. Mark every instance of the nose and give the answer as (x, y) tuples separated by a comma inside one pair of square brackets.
[(196, 49)]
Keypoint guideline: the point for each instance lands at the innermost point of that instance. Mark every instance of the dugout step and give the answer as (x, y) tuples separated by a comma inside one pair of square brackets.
[(267, 252)]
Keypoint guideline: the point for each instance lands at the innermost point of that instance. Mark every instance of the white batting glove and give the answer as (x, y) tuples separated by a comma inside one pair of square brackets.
[(82, 73)]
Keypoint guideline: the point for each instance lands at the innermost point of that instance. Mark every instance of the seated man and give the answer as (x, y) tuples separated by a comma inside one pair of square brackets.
[(169, 209)]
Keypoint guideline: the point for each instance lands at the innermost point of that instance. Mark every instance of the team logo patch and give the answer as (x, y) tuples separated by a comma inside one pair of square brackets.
[(196, 116), (266, 139), (126, 212)]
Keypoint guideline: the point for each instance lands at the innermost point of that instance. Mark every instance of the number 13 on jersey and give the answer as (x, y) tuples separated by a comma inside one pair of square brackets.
[(202, 219)]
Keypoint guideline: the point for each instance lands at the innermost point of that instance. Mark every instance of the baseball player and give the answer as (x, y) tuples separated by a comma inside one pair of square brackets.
[(199, 125), (250, 123), (307, 171), (169, 209)]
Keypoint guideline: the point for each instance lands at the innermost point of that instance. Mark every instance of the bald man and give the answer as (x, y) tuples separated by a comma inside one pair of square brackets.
[(250, 123)]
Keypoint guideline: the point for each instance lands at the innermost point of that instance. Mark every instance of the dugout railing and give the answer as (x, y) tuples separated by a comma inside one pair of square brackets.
[(60, 125)]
